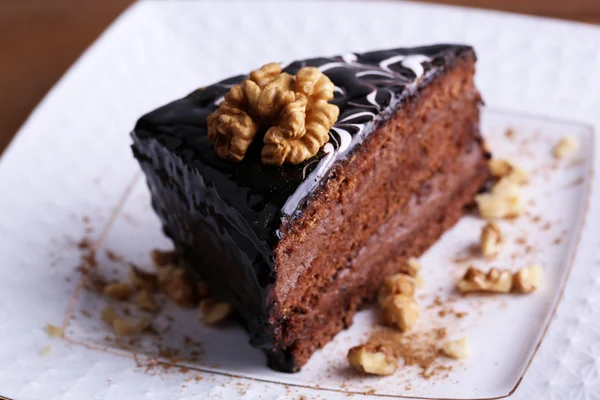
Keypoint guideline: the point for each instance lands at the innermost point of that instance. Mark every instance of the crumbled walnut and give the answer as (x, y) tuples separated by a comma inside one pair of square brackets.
[(45, 352), (175, 282), (457, 348), (491, 241), (399, 284), (144, 300), (54, 331), (504, 201), (528, 279), (502, 168), (122, 326), (495, 281), (368, 359), (296, 107), (401, 311), (125, 327), (117, 290), (419, 281), (414, 266), (108, 315), (142, 280), (565, 147), (213, 311)]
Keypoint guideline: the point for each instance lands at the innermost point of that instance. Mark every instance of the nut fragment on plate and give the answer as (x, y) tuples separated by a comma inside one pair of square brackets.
[(414, 266), (117, 290), (122, 326), (144, 301), (54, 331), (528, 279), (401, 311), (565, 147), (213, 311), (495, 281), (175, 282), (457, 349), (491, 241), (370, 359), (502, 168), (504, 201), (396, 301), (142, 280), (126, 327)]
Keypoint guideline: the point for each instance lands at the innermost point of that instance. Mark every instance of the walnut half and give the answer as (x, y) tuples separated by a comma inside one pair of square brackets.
[(295, 110)]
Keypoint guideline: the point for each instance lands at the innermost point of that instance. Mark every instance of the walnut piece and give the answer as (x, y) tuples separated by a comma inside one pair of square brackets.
[(295, 107), (527, 279), (142, 280), (495, 281), (213, 311), (54, 331), (375, 360), (398, 284), (457, 349), (414, 266), (122, 326), (117, 290), (144, 301), (491, 241), (504, 201), (502, 168), (565, 147), (175, 282), (401, 311)]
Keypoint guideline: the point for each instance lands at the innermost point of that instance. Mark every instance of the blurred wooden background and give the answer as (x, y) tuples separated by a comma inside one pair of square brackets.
[(40, 39)]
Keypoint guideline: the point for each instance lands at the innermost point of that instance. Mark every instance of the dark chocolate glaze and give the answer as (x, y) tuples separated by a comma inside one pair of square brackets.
[(227, 218)]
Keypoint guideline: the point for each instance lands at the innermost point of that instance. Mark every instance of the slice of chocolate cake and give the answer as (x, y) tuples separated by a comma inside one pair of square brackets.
[(297, 238)]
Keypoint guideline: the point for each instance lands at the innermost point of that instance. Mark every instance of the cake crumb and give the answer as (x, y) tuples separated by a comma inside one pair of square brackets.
[(565, 147), (54, 331), (45, 352)]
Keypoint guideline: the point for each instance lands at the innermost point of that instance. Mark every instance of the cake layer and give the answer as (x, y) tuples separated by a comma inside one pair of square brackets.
[(415, 175)]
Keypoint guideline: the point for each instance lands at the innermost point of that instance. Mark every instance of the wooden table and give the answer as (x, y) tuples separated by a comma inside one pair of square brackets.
[(40, 39)]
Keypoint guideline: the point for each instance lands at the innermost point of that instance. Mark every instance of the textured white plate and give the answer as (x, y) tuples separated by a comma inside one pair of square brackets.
[(71, 160)]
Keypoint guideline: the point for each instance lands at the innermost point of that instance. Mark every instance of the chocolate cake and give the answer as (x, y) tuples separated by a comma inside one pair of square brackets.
[(298, 248)]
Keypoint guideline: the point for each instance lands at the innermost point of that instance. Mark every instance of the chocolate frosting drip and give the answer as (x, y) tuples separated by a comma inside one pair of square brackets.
[(369, 87)]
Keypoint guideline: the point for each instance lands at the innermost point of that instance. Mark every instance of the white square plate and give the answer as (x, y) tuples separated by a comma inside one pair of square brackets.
[(69, 174)]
